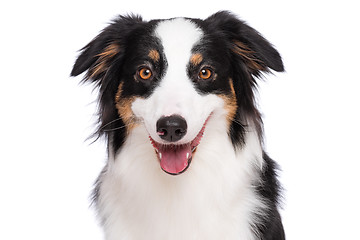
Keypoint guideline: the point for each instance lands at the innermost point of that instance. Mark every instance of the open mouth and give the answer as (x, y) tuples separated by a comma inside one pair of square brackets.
[(176, 158)]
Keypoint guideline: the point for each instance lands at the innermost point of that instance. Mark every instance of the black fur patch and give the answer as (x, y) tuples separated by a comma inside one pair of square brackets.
[(269, 188)]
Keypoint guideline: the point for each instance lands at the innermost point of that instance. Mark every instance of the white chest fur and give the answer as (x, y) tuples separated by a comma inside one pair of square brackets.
[(213, 199)]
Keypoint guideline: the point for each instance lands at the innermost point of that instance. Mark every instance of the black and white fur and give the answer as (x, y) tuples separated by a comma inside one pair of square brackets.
[(230, 189)]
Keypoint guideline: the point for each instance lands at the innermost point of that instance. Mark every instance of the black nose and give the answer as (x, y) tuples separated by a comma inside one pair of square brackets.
[(171, 128)]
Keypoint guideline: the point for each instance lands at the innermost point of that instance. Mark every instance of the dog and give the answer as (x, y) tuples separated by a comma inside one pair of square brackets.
[(185, 138)]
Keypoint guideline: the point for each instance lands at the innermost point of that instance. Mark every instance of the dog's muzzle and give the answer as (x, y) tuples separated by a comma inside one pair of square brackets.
[(174, 157)]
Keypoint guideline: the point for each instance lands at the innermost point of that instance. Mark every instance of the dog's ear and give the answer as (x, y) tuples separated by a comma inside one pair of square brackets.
[(257, 53), (97, 55)]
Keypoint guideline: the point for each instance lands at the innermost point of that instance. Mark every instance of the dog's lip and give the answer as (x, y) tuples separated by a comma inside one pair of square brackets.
[(175, 158)]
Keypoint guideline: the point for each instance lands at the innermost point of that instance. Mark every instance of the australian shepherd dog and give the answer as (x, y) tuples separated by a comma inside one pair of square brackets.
[(185, 138)]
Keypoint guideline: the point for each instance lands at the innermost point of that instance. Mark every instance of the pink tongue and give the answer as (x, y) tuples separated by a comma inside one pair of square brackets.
[(175, 160)]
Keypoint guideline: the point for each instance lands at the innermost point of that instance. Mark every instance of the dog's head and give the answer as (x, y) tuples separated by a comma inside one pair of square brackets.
[(173, 76)]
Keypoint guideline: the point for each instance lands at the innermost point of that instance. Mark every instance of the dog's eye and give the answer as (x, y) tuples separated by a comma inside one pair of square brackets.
[(206, 74), (144, 73)]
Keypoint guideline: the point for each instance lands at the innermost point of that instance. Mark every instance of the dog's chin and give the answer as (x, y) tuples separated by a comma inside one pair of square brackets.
[(175, 159)]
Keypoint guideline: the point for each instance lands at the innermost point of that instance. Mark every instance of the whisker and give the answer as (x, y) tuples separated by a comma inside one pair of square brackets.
[(107, 124), (239, 123), (245, 127), (133, 120), (113, 129)]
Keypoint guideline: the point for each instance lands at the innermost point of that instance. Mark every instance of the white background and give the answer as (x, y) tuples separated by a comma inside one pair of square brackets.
[(311, 112)]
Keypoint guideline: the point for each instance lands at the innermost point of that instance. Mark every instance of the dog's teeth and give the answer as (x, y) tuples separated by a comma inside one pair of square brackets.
[(160, 155), (192, 150), (187, 155)]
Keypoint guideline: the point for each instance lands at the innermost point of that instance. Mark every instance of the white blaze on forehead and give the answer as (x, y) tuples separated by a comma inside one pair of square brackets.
[(178, 36), (176, 92)]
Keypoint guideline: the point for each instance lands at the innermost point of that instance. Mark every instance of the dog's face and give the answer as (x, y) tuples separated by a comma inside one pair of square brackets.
[(183, 92), (174, 75)]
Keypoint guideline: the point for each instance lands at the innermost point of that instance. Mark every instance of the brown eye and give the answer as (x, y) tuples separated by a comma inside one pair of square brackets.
[(205, 74), (144, 73)]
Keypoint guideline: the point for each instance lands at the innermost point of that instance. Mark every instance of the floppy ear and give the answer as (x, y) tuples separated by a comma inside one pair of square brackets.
[(255, 51), (101, 59), (96, 56)]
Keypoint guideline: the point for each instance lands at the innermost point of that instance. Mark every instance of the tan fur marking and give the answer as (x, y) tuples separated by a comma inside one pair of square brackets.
[(109, 52), (196, 59), (230, 103), (118, 93), (248, 55), (102, 63), (123, 105), (154, 55)]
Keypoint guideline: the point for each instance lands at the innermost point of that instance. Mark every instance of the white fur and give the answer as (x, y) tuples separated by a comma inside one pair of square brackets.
[(214, 199)]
